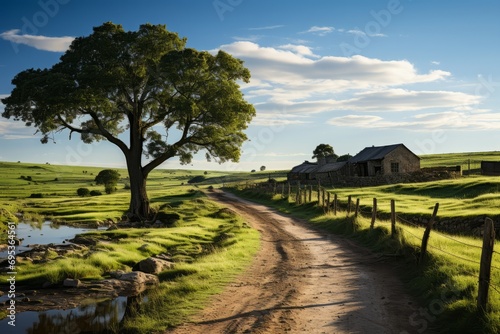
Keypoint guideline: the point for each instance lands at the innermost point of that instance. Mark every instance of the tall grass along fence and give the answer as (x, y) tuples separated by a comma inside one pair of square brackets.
[(331, 204)]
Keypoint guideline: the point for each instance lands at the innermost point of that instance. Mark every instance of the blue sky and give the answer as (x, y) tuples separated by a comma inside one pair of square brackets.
[(346, 73)]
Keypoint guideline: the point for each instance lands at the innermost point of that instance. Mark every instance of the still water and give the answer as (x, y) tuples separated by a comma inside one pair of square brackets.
[(43, 234), (100, 317), (97, 317)]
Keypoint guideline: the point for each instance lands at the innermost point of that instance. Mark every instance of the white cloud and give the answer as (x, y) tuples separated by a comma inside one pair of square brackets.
[(356, 32), (424, 122), (54, 44), (293, 78), (321, 31), (271, 119), (406, 100), (299, 49), (10, 129), (360, 32), (252, 38), (268, 27), (285, 66)]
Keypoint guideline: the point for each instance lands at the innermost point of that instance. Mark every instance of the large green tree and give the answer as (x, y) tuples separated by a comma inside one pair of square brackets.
[(323, 151), (144, 92)]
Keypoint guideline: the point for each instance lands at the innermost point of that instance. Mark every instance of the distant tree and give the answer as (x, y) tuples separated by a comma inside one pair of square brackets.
[(83, 192), (262, 168), (253, 171), (145, 82), (323, 151), (109, 178), (344, 157)]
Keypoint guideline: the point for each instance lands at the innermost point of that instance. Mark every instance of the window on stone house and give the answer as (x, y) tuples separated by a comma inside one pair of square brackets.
[(394, 167)]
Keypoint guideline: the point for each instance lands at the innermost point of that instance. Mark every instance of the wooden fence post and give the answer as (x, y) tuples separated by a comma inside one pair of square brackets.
[(425, 238), (289, 189), (328, 202), (282, 190), (334, 204), (374, 213), (323, 191), (319, 194), (485, 267), (310, 193), (393, 218), (297, 195), (357, 208), (348, 205)]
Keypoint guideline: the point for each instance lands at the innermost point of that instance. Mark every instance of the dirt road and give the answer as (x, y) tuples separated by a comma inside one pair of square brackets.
[(304, 281)]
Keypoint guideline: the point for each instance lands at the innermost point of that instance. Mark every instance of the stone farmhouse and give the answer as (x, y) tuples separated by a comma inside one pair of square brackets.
[(375, 161)]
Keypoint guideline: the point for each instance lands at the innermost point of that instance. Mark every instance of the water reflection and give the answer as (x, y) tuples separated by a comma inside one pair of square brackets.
[(101, 318), (43, 234)]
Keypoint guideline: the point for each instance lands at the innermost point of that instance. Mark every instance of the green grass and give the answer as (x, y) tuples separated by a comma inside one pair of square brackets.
[(205, 260), (467, 160), (463, 197), (448, 276), (208, 250)]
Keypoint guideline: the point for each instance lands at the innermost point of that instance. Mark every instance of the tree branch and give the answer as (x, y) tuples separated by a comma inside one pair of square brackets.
[(172, 151), (105, 133)]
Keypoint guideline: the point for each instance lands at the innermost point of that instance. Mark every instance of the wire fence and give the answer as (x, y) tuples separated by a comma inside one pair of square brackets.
[(307, 194)]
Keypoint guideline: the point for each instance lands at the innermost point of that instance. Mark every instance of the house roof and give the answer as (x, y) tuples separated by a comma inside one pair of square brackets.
[(330, 167), (312, 167), (305, 167), (375, 153)]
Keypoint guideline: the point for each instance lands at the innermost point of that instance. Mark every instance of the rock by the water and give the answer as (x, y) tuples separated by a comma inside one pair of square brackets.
[(152, 265), (71, 283), (139, 278)]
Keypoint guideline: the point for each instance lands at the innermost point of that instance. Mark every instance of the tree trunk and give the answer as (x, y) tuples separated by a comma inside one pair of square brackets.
[(139, 203)]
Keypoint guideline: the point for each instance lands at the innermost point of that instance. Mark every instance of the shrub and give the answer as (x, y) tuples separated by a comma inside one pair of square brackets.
[(107, 176), (95, 193), (110, 188), (127, 186), (36, 195), (83, 192), (197, 179)]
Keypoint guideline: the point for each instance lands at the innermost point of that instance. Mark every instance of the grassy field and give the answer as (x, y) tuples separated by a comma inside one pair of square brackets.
[(464, 197), (203, 266), (467, 160), (209, 247), (57, 186), (445, 284)]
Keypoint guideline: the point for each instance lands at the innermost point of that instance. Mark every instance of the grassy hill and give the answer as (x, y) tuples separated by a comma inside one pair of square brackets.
[(467, 160)]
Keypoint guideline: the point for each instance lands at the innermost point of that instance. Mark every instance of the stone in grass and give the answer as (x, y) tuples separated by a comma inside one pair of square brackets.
[(152, 265), (139, 278), (72, 283)]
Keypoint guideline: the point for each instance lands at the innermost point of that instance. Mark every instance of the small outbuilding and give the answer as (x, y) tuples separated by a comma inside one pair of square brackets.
[(304, 171), (385, 160)]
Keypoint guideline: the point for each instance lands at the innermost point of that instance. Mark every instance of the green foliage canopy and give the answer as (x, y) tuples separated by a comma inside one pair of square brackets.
[(322, 151), (107, 177), (142, 91)]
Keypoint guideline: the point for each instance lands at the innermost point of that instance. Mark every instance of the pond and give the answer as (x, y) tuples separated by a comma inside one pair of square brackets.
[(43, 234), (99, 317)]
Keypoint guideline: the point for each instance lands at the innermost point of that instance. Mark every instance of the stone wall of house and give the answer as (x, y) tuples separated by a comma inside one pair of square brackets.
[(407, 161), (419, 176)]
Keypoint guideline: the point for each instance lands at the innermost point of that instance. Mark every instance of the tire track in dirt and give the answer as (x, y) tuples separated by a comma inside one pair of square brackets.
[(304, 281)]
